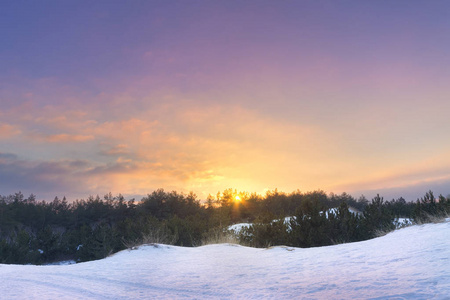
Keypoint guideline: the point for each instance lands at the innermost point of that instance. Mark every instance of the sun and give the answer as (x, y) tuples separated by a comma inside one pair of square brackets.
[(237, 199)]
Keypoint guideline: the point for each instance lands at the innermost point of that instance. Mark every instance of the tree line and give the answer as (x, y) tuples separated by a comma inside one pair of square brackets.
[(40, 232)]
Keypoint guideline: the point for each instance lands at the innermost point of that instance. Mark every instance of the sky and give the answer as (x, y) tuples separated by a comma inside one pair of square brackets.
[(131, 96)]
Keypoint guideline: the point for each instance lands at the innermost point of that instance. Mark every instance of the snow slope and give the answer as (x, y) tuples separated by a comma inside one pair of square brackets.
[(410, 263)]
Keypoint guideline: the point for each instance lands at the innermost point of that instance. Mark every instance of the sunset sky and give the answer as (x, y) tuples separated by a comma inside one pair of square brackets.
[(131, 96)]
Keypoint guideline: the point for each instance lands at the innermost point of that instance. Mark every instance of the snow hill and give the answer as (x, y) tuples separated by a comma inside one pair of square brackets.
[(410, 263)]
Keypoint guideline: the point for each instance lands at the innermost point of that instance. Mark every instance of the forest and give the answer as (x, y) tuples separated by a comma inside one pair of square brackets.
[(41, 232)]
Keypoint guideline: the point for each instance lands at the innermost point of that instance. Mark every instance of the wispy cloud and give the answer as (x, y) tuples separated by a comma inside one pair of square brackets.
[(7, 131), (62, 138), (4, 157), (117, 150), (44, 178)]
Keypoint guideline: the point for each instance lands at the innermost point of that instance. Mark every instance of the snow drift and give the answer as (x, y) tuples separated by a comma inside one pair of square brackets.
[(410, 263)]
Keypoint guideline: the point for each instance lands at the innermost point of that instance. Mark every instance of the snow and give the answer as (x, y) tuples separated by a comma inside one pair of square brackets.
[(403, 222), (354, 211), (237, 228), (60, 263), (410, 263)]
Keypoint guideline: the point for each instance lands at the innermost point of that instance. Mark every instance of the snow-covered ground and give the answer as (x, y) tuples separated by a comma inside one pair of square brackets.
[(410, 263)]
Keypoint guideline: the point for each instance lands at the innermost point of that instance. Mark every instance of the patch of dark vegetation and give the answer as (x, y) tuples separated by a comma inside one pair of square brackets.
[(40, 232)]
